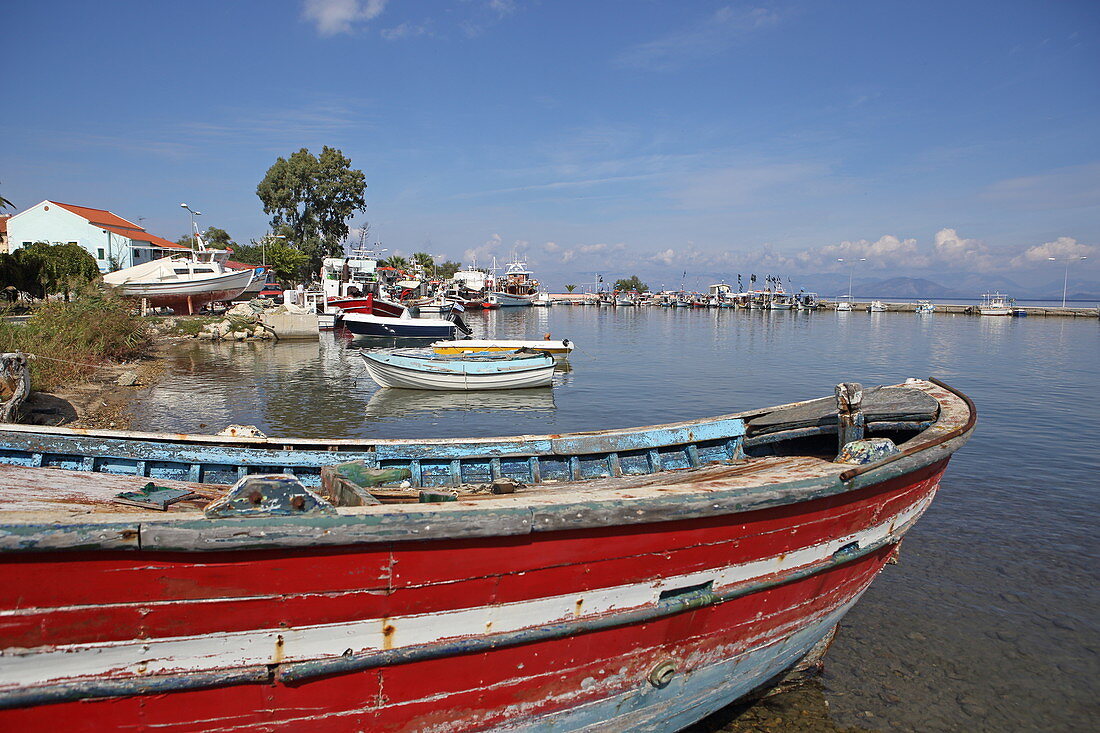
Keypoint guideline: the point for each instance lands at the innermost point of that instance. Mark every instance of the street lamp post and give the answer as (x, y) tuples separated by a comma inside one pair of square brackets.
[(1065, 281), (194, 213), (851, 270)]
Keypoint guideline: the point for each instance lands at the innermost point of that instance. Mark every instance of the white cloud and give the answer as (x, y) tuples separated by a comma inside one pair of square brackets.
[(340, 16), (403, 31), (1062, 248), (704, 39)]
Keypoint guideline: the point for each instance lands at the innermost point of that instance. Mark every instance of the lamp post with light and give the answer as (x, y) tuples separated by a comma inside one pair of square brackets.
[(193, 215), (851, 270), (1065, 281)]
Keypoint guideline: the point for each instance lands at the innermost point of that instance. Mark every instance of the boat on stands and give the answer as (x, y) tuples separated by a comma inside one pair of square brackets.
[(652, 575), (993, 304), (517, 369), (183, 283), (559, 347)]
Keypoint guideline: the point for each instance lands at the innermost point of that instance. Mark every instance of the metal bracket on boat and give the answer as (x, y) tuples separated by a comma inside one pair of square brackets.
[(268, 495)]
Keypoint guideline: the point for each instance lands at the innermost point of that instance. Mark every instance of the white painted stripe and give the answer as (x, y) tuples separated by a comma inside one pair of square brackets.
[(23, 667)]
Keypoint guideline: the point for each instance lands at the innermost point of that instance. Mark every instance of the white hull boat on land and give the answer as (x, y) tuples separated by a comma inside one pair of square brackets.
[(506, 370), (183, 284), (560, 348)]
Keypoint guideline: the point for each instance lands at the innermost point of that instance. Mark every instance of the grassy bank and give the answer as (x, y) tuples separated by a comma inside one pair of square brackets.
[(73, 338)]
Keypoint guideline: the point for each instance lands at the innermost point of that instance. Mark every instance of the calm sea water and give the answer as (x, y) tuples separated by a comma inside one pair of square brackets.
[(992, 619)]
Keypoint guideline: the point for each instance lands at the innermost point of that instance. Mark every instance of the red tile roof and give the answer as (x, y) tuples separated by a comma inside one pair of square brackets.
[(98, 216), (4, 222), (117, 225), (141, 235)]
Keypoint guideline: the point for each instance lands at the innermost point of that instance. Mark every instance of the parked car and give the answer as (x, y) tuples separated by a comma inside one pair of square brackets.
[(272, 290)]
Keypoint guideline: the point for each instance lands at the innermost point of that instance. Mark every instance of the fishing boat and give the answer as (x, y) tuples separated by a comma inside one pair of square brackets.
[(183, 283), (403, 326), (483, 370), (806, 301), (542, 300), (925, 307), (877, 306), (633, 579), (517, 288), (559, 348), (844, 303), (995, 304)]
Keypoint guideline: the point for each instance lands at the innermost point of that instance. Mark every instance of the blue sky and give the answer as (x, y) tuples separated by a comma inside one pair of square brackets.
[(621, 136)]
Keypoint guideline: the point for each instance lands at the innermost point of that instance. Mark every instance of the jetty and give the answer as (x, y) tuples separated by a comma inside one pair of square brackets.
[(972, 309)]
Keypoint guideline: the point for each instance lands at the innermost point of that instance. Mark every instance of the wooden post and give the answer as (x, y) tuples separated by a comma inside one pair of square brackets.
[(15, 384), (850, 419)]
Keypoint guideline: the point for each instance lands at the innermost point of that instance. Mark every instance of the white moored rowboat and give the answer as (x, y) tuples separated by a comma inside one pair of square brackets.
[(482, 370)]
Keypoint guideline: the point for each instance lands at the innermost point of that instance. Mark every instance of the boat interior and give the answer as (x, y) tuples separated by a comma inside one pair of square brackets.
[(47, 469)]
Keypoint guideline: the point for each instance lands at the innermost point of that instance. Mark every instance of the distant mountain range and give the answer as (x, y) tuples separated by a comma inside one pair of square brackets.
[(961, 286)]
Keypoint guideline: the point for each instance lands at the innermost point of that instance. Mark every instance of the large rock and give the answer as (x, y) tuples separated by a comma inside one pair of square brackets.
[(127, 379)]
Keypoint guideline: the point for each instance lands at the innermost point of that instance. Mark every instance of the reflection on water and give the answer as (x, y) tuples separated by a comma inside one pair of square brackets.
[(990, 622), (389, 404)]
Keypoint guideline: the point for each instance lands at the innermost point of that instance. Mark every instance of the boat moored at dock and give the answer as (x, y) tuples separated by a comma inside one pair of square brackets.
[(557, 347), (631, 579), (518, 369)]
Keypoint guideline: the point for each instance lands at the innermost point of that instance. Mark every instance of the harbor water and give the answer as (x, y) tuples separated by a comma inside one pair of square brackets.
[(991, 621)]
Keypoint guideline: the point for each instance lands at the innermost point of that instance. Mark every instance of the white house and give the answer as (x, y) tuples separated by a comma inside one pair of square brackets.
[(108, 237)]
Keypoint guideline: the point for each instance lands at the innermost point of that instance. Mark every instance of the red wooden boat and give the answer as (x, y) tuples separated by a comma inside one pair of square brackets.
[(638, 579)]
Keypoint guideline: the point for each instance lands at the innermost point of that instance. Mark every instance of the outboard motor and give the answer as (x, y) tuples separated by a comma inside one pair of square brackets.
[(459, 323)]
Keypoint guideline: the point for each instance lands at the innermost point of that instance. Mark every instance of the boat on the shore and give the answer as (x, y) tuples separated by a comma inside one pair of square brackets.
[(184, 283), (555, 347), (631, 579), (482, 370)]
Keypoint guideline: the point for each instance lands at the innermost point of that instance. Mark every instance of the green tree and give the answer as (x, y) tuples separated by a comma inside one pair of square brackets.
[(570, 288), (314, 196), (49, 269), (446, 270), (186, 240), (5, 204), (285, 260), (397, 262), (216, 238), (631, 283)]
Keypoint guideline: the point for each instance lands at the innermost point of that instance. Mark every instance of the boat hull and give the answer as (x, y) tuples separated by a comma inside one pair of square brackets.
[(395, 372), (190, 295), (563, 630), (366, 324), (559, 349), (507, 300), (595, 596)]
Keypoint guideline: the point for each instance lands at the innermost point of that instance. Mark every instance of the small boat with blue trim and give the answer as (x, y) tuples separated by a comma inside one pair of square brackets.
[(559, 348), (405, 369), (624, 579), (925, 307)]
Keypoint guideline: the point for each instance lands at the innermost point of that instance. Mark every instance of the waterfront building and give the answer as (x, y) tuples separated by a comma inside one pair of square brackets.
[(114, 242)]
